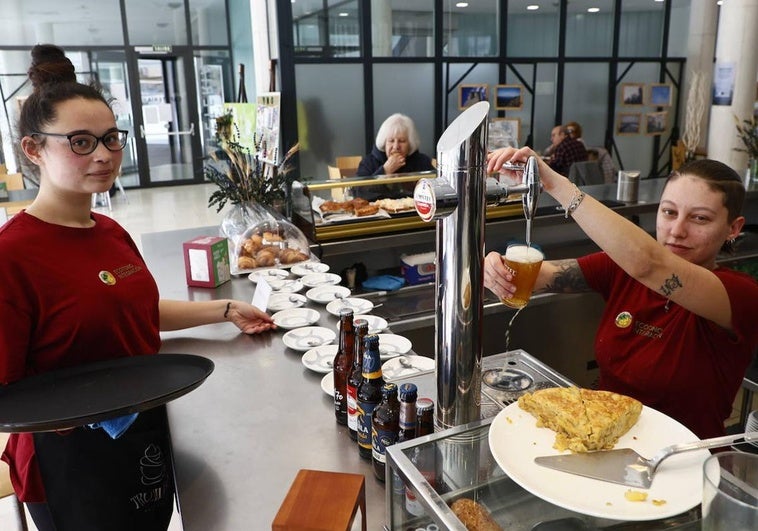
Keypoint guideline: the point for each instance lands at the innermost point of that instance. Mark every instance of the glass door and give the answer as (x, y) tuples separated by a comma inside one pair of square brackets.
[(167, 134)]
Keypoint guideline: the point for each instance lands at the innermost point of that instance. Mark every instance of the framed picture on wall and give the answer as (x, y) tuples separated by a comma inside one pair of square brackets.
[(470, 94), (660, 95), (655, 122), (504, 132), (632, 94), (509, 97), (628, 123)]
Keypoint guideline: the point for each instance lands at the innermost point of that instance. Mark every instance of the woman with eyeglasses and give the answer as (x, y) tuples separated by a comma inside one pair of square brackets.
[(74, 289)]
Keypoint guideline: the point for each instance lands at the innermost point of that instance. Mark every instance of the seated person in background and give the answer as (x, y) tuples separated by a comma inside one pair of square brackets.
[(395, 150), (599, 154), (567, 150)]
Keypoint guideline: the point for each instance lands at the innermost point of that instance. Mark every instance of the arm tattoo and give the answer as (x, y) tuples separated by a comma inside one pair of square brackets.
[(568, 278), (670, 285)]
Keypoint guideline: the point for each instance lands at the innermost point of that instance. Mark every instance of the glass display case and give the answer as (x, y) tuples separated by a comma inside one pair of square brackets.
[(426, 475), (325, 210)]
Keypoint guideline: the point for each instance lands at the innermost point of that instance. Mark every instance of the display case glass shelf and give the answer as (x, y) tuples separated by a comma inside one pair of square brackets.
[(392, 194)]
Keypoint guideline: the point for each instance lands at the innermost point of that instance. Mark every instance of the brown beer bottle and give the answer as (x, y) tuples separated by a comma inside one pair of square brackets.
[(343, 362), (384, 428), (354, 378), (369, 393), (407, 422)]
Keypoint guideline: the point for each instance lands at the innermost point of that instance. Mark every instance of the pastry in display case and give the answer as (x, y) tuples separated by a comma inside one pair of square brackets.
[(358, 206)]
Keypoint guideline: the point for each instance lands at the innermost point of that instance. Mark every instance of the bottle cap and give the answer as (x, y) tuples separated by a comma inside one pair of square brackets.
[(408, 392), (346, 311), (389, 389), (360, 323), (424, 404)]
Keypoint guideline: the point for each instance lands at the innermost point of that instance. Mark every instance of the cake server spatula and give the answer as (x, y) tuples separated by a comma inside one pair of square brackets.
[(627, 467)]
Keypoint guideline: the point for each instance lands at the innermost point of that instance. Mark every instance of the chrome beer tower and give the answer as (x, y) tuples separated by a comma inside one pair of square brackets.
[(456, 199)]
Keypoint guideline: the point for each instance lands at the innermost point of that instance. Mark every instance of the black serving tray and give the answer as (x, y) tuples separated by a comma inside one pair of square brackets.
[(98, 391)]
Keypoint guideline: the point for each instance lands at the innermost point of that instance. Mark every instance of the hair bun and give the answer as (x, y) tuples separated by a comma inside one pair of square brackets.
[(50, 65)]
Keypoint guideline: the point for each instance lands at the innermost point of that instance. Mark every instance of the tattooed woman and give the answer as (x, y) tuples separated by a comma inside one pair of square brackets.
[(678, 330)]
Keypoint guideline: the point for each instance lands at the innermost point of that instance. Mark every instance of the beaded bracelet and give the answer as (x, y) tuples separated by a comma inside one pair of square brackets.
[(226, 312), (576, 200)]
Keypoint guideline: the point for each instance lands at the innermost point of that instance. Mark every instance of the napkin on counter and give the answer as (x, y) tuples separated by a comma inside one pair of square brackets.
[(384, 282), (115, 427)]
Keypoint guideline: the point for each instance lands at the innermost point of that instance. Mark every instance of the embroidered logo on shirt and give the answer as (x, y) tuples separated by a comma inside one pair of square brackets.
[(624, 320), (648, 330), (106, 277)]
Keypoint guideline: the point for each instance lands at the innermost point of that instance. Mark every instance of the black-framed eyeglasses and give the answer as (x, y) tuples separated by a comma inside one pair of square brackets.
[(86, 143)]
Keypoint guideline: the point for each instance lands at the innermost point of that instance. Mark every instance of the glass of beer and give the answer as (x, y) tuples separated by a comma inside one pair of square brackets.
[(524, 264)]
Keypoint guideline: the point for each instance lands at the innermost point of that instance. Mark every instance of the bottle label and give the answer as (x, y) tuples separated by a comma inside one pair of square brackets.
[(352, 408), (380, 440), (363, 427), (374, 375)]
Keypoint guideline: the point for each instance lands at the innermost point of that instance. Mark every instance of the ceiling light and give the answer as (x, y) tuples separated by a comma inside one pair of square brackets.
[(532, 7), (343, 14), (593, 10), (461, 4)]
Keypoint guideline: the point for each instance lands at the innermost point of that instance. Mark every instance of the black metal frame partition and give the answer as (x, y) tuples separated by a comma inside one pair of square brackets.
[(660, 163)]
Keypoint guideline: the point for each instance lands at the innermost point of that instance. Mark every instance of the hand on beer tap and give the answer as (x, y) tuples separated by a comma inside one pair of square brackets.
[(498, 160)]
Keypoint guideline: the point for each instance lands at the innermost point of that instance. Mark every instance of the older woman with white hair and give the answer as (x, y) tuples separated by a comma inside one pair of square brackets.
[(395, 149)]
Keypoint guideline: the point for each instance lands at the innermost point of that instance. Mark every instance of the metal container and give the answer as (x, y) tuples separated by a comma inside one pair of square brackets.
[(628, 186)]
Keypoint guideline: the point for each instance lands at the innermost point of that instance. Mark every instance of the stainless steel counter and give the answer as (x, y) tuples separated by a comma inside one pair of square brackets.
[(240, 438)]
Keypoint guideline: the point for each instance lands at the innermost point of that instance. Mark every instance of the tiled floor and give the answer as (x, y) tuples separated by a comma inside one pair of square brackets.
[(169, 208)]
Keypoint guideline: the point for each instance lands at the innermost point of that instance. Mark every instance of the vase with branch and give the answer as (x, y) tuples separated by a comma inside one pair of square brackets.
[(257, 191)]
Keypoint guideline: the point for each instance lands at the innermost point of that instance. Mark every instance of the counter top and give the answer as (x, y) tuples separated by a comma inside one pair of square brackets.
[(241, 437)]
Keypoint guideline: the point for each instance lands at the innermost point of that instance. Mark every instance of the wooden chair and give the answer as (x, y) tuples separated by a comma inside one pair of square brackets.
[(348, 165), (13, 181), (6, 489), (320, 500)]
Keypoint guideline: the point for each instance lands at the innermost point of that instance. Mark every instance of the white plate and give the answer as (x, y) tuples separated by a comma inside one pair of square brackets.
[(354, 303), (320, 359), (270, 273), (392, 368), (515, 440), (295, 318), (306, 268), (321, 279), (391, 345), (308, 337), (284, 301), (327, 384), (375, 323), (279, 285), (326, 294)]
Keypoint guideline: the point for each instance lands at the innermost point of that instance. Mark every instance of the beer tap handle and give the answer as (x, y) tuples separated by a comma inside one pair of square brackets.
[(533, 187)]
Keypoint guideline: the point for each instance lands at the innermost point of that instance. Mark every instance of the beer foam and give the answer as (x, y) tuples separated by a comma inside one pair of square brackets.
[(524, 254)]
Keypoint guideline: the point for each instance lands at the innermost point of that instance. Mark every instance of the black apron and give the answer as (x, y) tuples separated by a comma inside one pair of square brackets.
[(93, 482)]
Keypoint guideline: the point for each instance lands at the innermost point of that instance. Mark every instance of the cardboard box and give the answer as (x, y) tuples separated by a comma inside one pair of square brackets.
[(206, 261), (418, 268)]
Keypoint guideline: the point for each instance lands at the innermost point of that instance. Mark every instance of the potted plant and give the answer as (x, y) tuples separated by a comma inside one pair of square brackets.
[(747, 130), (224, 125), (242, 177)]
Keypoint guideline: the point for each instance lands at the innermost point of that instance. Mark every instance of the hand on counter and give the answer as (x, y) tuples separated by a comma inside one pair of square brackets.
[(248, 318), (177, 315)]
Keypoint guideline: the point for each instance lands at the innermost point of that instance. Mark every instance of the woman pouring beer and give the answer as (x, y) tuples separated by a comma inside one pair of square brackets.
[(677, 331)]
